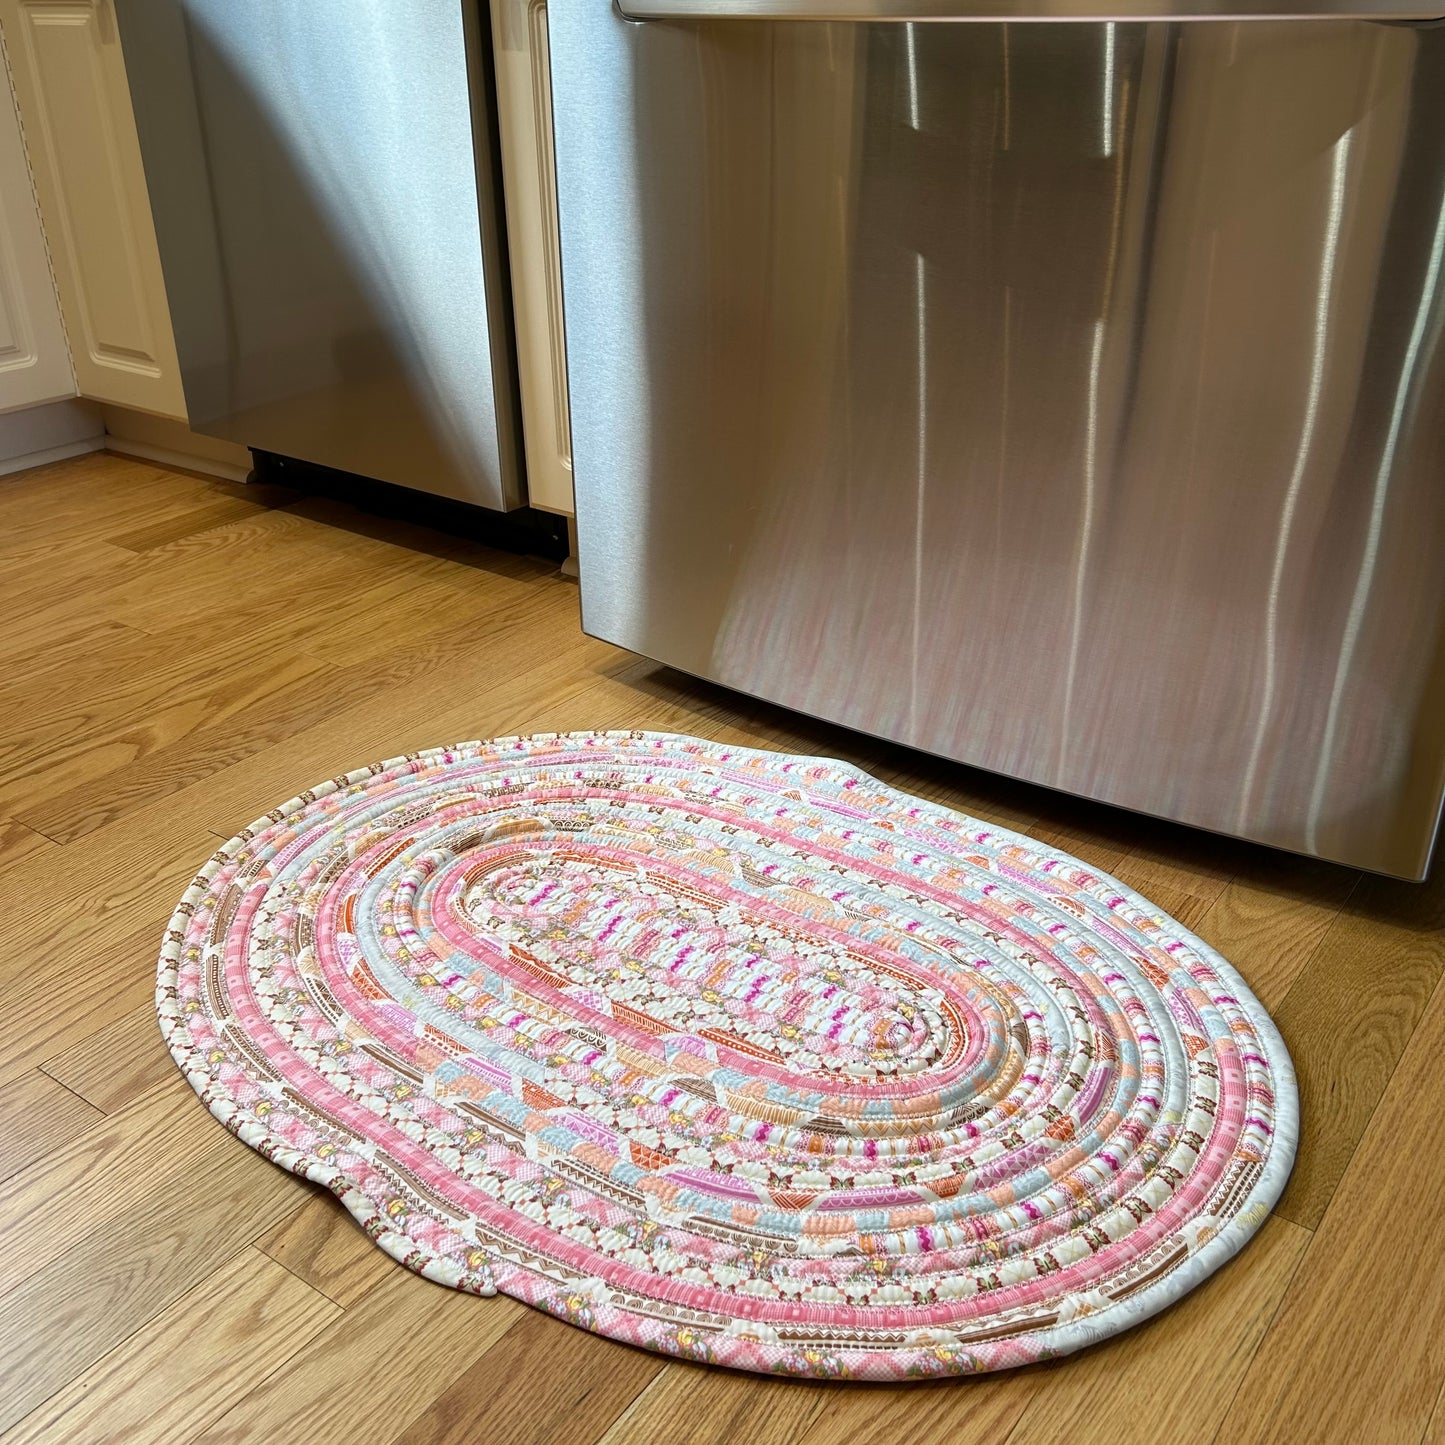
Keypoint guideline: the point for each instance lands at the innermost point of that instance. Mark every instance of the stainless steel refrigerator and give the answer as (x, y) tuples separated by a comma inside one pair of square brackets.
[(323, 177), (1058, 390)]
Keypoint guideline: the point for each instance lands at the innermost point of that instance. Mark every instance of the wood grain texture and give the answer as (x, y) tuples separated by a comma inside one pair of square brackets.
[(160, 626), (36, 1116), (17, 842), (1435, 1431), (705, 1406), (1186, 893), (155, 1386), (980, 1411), (544, 1381), (112, 1274), (114, 1167), (141, 695), (95, 958), (1357, 1351), (1347, 1019), (187, 523), (324, 671), (94, 496), (1097, 852), (1269, 925), (322, 1244), (373, 1371), (1202, 1347), (488, 698), (116, 1064)]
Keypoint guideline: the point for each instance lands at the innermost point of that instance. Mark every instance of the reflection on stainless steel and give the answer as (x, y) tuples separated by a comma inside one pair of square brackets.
[(1427, 316), (321, 181), (1030, 11), (1318, 353), (1066, 399)]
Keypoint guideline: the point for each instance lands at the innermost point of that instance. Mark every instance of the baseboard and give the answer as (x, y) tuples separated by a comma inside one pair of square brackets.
[(124, 446), (50, 454), (171, 443)]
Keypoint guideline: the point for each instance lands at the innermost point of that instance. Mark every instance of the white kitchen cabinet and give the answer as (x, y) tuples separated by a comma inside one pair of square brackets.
[(34, 364), (524, 101), (75, 105)]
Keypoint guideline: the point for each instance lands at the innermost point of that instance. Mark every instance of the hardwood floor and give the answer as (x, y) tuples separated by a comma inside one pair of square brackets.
[(180, 654)]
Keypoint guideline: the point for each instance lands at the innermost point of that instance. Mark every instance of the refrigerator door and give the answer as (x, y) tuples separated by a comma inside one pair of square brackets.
[(323, 188), (1063, 398)]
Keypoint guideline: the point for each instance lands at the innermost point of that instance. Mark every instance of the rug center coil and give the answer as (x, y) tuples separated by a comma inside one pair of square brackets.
[(741, 964)]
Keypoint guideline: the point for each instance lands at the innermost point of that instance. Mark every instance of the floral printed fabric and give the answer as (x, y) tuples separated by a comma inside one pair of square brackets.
[(740, 1056)]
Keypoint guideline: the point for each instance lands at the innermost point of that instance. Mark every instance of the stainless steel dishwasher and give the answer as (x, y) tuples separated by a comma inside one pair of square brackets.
[(1058, 393), (328, 211)]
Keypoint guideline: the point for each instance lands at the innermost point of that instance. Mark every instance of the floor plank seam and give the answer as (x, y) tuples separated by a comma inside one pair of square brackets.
[(121, 1343), (142, 1324), (1434, 1411), (1375, 1107), (270, 1229), (1264, 1333), (59, 843), (40, 1068)]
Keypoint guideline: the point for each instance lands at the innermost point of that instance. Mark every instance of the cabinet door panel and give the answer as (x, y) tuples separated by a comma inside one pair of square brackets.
[(70, 80), (34, 366), (524, 102)]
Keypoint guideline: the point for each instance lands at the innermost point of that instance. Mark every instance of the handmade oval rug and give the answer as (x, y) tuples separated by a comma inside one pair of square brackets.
[(744, 1057)]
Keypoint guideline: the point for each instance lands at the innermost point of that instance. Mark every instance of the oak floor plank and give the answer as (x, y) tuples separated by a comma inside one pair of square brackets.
[(506, 689), (95, 496), (82, 740), (322, 1244), (982, 1410), (1181, 904), (421, 542), (204, 577), (45, 1014), (1269, 927), (1156, 871), (373, 1370), (1357, 1351), (273, 713), (17, 842), (1079, 843), (250, 1316), (105, 901), (278, 555), (190, 523), (119, 1161), (121, 1269), (1347, 1019), (118, 1063), (35, 671), (201, 580), (542, 1381), (395, 615), (53, 594), (36, 1116), (706, 1406), (1202, 1346), (1435, 1430)]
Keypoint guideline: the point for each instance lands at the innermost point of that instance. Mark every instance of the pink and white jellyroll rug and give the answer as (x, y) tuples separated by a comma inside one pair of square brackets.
[(743, 1057)]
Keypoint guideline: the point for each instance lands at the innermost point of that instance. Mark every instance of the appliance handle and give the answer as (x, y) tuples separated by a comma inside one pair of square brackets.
[(1407, 12)]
